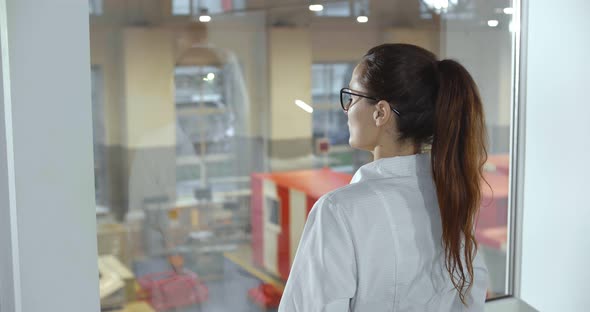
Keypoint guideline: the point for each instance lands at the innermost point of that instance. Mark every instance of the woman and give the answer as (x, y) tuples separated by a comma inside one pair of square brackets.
[(400, 237)]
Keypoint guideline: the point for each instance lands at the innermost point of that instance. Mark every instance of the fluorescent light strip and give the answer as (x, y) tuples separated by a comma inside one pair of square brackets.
[(316, 7), (304, 106)]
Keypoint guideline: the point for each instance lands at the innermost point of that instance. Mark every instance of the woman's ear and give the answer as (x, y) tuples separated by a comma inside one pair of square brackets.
[(382, 114)]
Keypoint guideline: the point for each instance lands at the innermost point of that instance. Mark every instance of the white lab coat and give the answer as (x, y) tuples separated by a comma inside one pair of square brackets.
[(375, 246)]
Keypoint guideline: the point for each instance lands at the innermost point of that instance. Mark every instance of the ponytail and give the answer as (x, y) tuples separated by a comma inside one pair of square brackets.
[(458, 155), (439, 105)]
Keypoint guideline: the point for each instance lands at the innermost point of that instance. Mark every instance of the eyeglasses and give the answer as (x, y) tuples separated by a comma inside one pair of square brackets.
[(346, 99)]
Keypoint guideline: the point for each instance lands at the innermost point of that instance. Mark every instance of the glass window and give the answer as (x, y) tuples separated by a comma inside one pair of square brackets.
[(361, 7), (204, 128), (274, 212), (183, 7), (329, 121), (458, 41), (198, 125), (335, 9), (98, 132), (95, 7)]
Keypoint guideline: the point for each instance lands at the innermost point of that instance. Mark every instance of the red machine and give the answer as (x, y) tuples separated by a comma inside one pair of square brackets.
[(168, 290), (281, 202)]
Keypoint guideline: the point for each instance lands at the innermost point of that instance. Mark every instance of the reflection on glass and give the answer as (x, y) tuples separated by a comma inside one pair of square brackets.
[(206, 169), (336, 9), (95, 7)]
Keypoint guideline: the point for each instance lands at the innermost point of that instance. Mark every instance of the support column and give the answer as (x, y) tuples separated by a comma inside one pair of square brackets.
[(149, 114), (290, 56)]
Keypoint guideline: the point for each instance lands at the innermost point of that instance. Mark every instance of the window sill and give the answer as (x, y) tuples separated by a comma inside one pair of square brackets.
[(508, 305)]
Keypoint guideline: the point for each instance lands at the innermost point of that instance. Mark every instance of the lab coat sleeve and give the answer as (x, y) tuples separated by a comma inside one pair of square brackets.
[(323, 275)]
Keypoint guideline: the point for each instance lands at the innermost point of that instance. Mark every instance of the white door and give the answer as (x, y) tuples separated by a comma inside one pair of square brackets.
[(271, 224), (297, 214)]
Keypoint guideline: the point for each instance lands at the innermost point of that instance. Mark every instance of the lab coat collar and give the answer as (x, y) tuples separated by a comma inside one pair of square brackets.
[(398, 166)]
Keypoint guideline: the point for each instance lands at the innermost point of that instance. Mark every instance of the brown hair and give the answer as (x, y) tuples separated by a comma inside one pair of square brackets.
[(439, 104)]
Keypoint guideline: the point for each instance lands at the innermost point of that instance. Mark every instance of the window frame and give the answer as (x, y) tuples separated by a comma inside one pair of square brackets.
[(76, 19)]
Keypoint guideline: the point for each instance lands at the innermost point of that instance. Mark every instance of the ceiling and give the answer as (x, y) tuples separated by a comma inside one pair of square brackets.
[(382, 13)]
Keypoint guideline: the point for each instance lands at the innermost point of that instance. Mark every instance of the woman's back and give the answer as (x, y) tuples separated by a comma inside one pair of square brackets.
[(402, 236), (380, 240)]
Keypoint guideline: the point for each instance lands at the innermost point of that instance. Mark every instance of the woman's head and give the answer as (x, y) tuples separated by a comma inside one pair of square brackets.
[(403, 77), (369, 119), (412, 99)]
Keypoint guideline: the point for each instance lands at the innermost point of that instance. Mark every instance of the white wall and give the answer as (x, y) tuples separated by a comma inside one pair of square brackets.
[(48, 132), (556, 217), (333, 44), (9, 266), (428, 39)]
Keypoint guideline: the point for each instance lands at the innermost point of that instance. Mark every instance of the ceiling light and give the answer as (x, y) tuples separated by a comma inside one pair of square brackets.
[(440, 5), (304, 106), (210, 76), (204, 16), (493, 23), (362, 18), (316, 7), (508, 11)]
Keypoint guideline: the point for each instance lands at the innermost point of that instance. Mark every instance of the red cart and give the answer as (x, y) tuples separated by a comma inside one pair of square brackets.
[(168, 290)]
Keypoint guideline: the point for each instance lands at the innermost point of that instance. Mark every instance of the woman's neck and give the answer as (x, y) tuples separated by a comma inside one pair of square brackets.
[(393, 150)]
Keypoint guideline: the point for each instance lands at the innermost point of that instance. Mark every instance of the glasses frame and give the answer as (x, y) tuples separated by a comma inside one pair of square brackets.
[(351, 92)]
